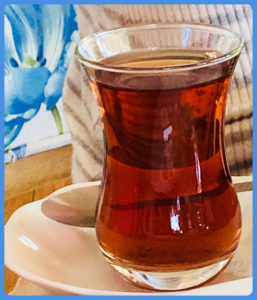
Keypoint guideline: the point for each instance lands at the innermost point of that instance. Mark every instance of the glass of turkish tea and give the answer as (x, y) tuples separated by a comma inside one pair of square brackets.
[(168, 216)]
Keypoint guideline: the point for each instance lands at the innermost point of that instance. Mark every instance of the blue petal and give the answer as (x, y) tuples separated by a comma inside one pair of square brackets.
[(13, 124), (9, 47), (13, 62), (11, 130), (40, 53), (24, 89), (58, 22), (43, 62), (29, 114), (51, 102), (39, 31), (70, 48), (20, 151), (26, 29), (53, 90)]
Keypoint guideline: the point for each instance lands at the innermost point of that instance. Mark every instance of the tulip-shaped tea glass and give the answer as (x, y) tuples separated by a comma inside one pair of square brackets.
[(168, 215)]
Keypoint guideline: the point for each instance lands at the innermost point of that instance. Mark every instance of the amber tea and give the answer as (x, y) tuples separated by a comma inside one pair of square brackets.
[(174, 208)]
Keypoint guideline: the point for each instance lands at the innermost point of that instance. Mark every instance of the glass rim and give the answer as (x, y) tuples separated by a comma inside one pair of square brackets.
[(169, 68)]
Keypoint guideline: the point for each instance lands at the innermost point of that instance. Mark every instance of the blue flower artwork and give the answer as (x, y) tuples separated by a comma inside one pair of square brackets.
[(39, 43)]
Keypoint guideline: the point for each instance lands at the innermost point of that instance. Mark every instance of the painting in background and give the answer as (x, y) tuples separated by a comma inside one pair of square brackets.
[(40, 41)]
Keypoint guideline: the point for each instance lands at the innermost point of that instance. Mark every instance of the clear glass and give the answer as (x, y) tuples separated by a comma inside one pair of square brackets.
[(168, 215)]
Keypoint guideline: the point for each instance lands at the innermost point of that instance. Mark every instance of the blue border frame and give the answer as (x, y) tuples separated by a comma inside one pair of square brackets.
[(252, 3)]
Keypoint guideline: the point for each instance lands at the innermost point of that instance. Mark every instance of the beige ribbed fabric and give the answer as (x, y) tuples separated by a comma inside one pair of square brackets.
[(81, 107)]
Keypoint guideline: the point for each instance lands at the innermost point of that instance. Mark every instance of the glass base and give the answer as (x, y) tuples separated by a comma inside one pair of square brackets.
[(172, 280)]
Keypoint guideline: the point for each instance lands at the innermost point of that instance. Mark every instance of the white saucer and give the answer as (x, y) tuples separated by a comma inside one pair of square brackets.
[(66, 258)]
